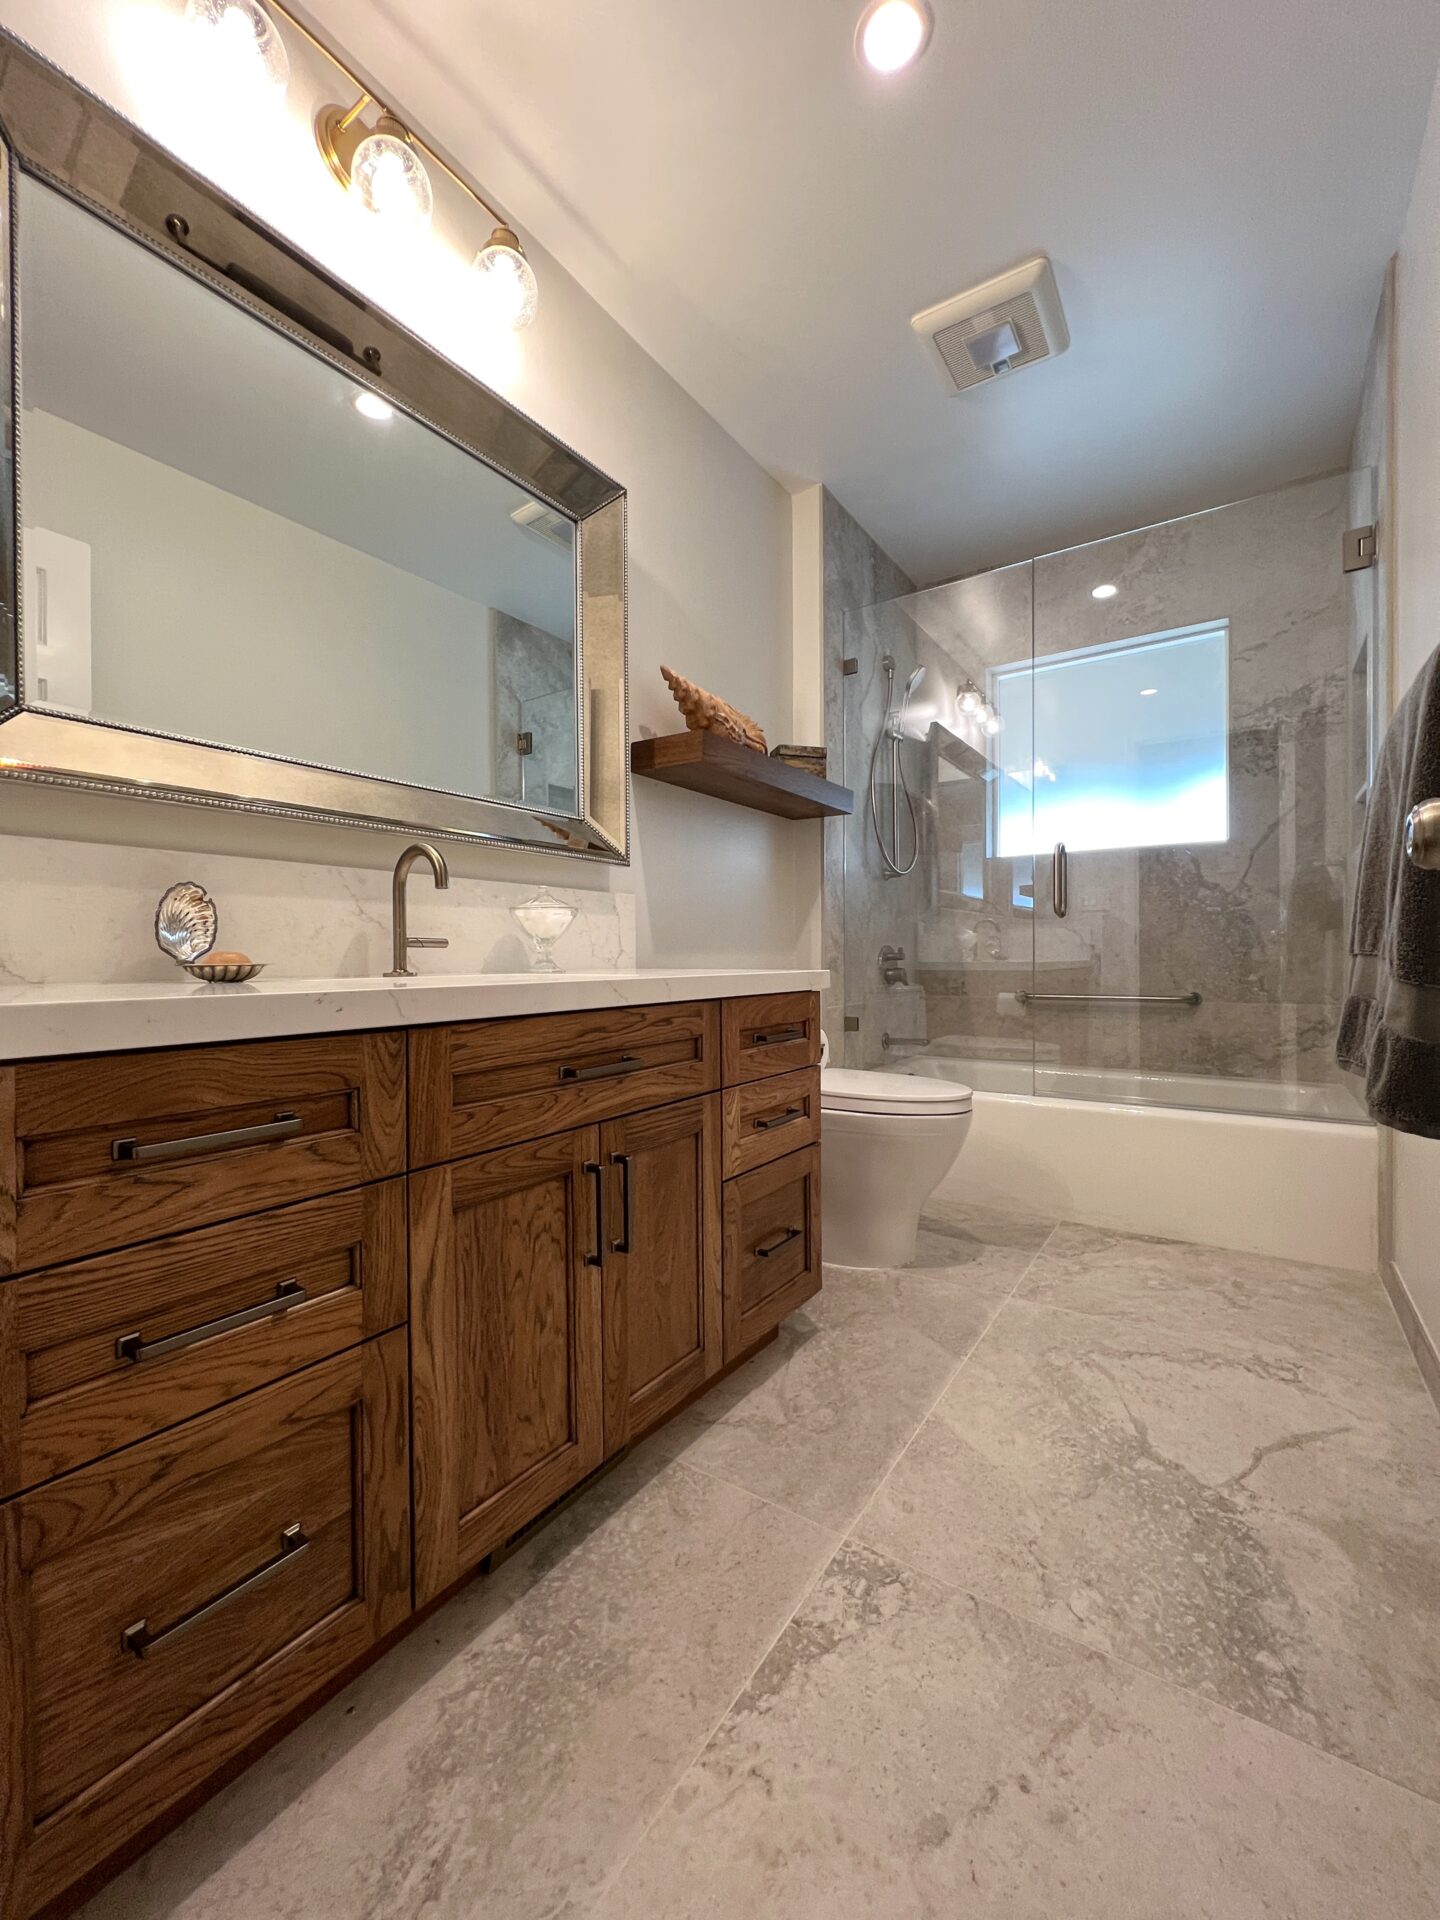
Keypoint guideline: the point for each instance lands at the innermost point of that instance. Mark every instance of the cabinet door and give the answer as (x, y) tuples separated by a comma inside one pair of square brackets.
[(505, 1345), (772, 1247), (663, 1303)]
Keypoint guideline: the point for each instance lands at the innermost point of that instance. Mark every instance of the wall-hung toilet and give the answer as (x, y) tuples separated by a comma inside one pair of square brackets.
[(887, 1140)]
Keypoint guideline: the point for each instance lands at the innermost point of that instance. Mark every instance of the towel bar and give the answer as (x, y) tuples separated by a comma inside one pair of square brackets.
[(1028, 999), (1422, 836)]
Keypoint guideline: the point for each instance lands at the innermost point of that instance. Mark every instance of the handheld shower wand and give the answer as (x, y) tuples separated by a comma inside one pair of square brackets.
[(893, 730)]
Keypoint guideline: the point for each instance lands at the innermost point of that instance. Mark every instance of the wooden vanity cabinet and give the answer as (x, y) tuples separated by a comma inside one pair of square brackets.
[(294, 1333)]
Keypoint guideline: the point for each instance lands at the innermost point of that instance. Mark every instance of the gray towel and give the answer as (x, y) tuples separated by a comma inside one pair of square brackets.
[(1390, 1026)]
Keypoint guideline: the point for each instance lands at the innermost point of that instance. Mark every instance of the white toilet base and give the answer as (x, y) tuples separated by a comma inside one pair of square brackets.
[(877, 1172)]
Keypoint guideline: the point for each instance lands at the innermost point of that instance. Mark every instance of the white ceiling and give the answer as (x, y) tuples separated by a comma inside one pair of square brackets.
[(1219, 184)]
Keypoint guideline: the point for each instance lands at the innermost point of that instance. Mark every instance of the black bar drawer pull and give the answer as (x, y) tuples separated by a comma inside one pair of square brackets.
[(140, 1640), (776, 1039), (597, 1174), (134, 1346), (276, 1129), (790, 1233), (768, 1121), (611, 1071), (622, 1160)]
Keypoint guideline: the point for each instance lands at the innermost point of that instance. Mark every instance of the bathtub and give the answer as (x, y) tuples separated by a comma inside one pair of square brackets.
[(1138, 1153)]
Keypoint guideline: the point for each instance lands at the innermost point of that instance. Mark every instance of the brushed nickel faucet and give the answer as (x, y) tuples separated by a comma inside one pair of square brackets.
[(404, 940)]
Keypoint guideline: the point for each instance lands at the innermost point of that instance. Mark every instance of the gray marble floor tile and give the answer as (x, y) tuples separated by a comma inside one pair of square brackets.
[(1240, 1520), (502, 1760), (1211, 1290), (907, 1752), (815, 1421)]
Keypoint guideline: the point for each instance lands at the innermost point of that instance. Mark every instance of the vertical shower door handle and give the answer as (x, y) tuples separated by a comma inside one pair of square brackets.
[(1060, 880)]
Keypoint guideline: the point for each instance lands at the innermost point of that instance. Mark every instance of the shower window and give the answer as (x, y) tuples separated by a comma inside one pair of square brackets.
[(1135, 737)]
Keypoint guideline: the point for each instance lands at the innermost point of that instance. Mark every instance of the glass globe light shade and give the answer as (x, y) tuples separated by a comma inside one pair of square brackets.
[(243, 41), (970, 701), (543, 919), (991, 722), (391, 180), (510, 290)]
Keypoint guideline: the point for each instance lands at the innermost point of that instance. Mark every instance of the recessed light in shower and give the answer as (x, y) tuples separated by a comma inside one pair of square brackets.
[(1145, 692), (1107, 592), (372, 407), (893, 33)]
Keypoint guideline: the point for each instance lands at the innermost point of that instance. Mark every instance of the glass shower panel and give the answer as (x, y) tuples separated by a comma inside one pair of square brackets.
[(938, 957), (1190, 695)]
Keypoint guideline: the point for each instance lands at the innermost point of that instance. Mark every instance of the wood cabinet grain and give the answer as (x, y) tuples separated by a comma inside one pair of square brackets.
[(171, 1601), (106, 1152), (664, 1335), (102, 1352), (505, 1344), (766, 1119), (770, 1033), (772, 1246)]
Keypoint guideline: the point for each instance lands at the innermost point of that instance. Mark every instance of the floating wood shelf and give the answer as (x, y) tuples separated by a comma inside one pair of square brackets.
[(709, 763)]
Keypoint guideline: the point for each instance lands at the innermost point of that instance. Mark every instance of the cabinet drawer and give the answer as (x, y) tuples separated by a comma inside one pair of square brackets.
[(771, 1033), (483, 1086), (772, 1246), (106, 1351), (766, 1119), (172, 1601), (127, 1147)]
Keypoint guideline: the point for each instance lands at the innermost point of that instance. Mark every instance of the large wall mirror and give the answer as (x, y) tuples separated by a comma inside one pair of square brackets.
[(272, 551)]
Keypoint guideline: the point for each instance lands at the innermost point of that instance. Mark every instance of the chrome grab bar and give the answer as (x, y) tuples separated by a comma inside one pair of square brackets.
[(1422, 836), (134, 1346), (142, 1640), (132, 1151), (1026, 998)]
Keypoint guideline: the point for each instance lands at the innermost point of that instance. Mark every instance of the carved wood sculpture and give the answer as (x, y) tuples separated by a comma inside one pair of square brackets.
[(708, 713)]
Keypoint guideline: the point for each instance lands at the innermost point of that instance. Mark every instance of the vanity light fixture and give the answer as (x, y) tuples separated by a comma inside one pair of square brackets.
[(379, 162), (372, 406), (1106, 592), (970, 697), (241, 34), (507, 279), (892, 34), (991, 721)]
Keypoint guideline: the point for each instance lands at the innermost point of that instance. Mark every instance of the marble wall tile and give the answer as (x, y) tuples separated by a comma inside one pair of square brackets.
[(70, 911), (534, 694)]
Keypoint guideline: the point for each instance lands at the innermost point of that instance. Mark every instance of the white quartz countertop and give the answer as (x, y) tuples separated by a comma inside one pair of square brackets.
[(76, 1017)]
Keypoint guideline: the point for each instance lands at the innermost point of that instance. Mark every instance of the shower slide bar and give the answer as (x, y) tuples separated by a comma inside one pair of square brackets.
[(1026, 999)]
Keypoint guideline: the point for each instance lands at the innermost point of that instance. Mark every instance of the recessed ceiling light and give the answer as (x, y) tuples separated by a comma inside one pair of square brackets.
[(372, 406), (892, 33), (1107, 592), (1145, 692)]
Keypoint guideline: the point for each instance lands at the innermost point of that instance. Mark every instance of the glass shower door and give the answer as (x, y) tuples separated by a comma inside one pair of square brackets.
[(1188, 703), (937, 958)]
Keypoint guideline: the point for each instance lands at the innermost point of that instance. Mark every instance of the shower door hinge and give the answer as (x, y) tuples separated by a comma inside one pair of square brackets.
[(1361, 549), (524, 743), (849, 666), (852, 1023)]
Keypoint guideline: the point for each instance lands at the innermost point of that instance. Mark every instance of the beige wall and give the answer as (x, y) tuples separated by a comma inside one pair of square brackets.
[(710, 578), (1416, 1224)]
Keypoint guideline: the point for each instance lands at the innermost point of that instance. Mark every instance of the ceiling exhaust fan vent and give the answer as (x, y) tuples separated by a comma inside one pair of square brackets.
[(1008, 323)]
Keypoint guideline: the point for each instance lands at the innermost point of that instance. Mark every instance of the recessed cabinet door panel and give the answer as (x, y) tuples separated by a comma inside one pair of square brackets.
[(772, 1246), (505, 1345), (663, 1330)]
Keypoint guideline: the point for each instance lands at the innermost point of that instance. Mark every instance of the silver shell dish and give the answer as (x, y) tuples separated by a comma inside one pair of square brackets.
[(186, 922), (222, 976)]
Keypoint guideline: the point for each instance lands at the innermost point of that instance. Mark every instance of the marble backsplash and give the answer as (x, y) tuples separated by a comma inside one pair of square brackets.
[(72, 911)]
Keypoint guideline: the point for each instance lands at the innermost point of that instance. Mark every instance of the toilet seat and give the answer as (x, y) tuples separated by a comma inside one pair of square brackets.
[(854, 1090)]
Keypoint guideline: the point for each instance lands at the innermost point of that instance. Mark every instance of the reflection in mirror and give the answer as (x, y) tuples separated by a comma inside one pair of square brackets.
[(227, 540)]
